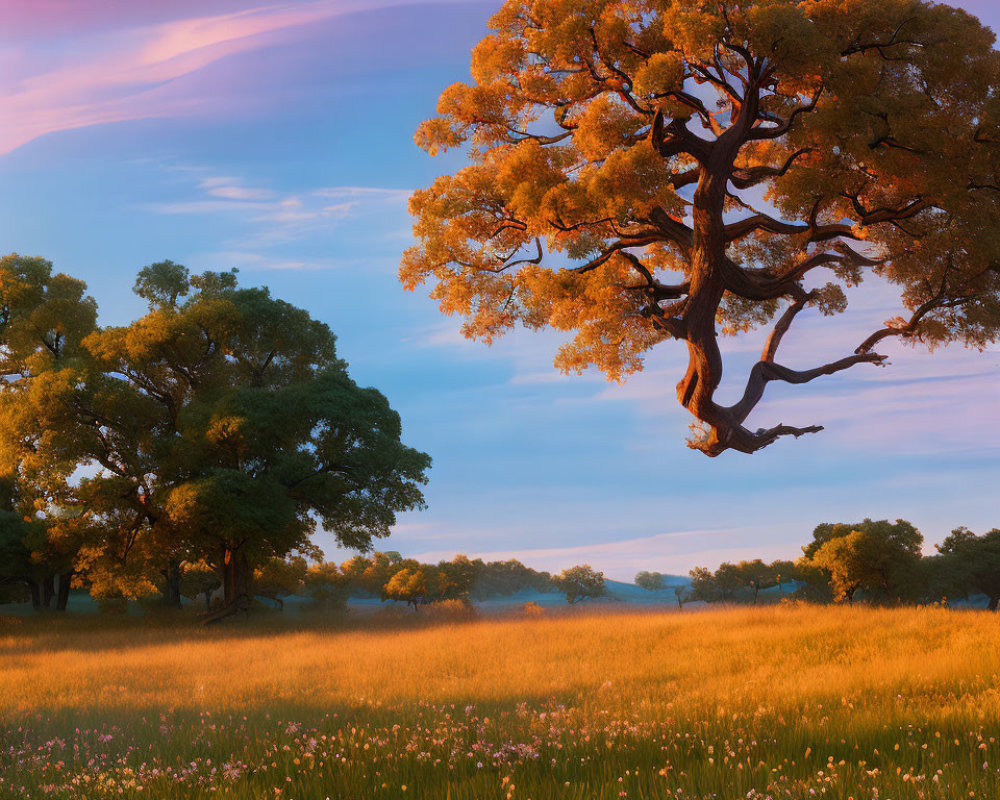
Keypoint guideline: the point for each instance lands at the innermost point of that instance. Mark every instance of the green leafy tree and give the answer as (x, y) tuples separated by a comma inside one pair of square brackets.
[(200, 579), (879, 558), (814, 582), (222, 425), (457, 577), (844, 559), (505, 578), (704, 586), (327, 586), (651, 581), (938, 580), (278, 578), (900, 533), (620, 151), (369, 575), (579, 583), (411, 585), (20, 578), (973, 563), (728, 580), (271, 434), (824, 532), (756, 575)]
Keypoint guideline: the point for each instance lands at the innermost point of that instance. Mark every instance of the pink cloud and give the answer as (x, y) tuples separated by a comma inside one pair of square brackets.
[(125, 73), (49, 18)]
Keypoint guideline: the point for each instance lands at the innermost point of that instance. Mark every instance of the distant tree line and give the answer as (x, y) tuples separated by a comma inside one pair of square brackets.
[(390, 576), (386, 576), (874, 561)]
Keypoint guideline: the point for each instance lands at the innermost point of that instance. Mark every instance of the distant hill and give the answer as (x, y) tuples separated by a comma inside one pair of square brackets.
[(630, 593)]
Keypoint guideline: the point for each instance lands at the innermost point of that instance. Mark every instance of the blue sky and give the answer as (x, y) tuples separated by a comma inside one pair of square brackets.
[(277, 138)]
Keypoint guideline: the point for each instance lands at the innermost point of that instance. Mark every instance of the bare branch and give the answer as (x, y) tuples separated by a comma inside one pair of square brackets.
[(881, 47), (704, 75), (801, 299), (882, 214), (760, 221), (766, 285), (685, 178), (764, 372), (617, 247), (670, 320), (537, 259), (708, 120), (752, 176), (674, 138), (521, 136), (674, 230), (656, 290), (784, 127), (625, 90), (942, 299)]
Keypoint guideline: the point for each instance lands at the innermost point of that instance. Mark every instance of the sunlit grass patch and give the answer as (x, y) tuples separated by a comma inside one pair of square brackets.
[(781, 702)]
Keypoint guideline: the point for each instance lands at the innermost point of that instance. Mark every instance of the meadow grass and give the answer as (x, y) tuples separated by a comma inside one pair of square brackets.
[(773, 702)]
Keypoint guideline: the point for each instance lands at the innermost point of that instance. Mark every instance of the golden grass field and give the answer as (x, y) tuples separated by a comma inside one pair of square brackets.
[(751, 702)]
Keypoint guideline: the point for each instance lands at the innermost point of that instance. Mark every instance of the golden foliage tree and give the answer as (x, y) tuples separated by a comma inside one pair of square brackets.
[(650, 170)]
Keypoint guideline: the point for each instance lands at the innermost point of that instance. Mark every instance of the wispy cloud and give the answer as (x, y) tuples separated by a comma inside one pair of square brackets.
[(274, 217), (255, 262), (125, 74), (232, 189)]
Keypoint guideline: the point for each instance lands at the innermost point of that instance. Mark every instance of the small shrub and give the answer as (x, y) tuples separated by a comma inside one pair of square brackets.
[(532, 610), (451, 611)]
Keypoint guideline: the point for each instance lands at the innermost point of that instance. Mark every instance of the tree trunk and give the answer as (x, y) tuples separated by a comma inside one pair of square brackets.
[(48, 590), (756, 591), (208, 599), (236, 589), (36, 594), (236, 579), (172, 587), (994, 602), (62, 597)]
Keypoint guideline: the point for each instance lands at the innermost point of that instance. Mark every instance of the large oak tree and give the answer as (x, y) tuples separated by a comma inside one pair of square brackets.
[(221, 427), (651, 170)]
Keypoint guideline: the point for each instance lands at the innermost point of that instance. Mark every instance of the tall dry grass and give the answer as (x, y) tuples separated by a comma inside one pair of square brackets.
[(588, 696)]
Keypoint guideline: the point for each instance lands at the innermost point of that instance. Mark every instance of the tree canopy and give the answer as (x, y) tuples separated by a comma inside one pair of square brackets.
[(972, 563), (684, 169), (580, 582), (876, 557), (650, 581), (221, 427)]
